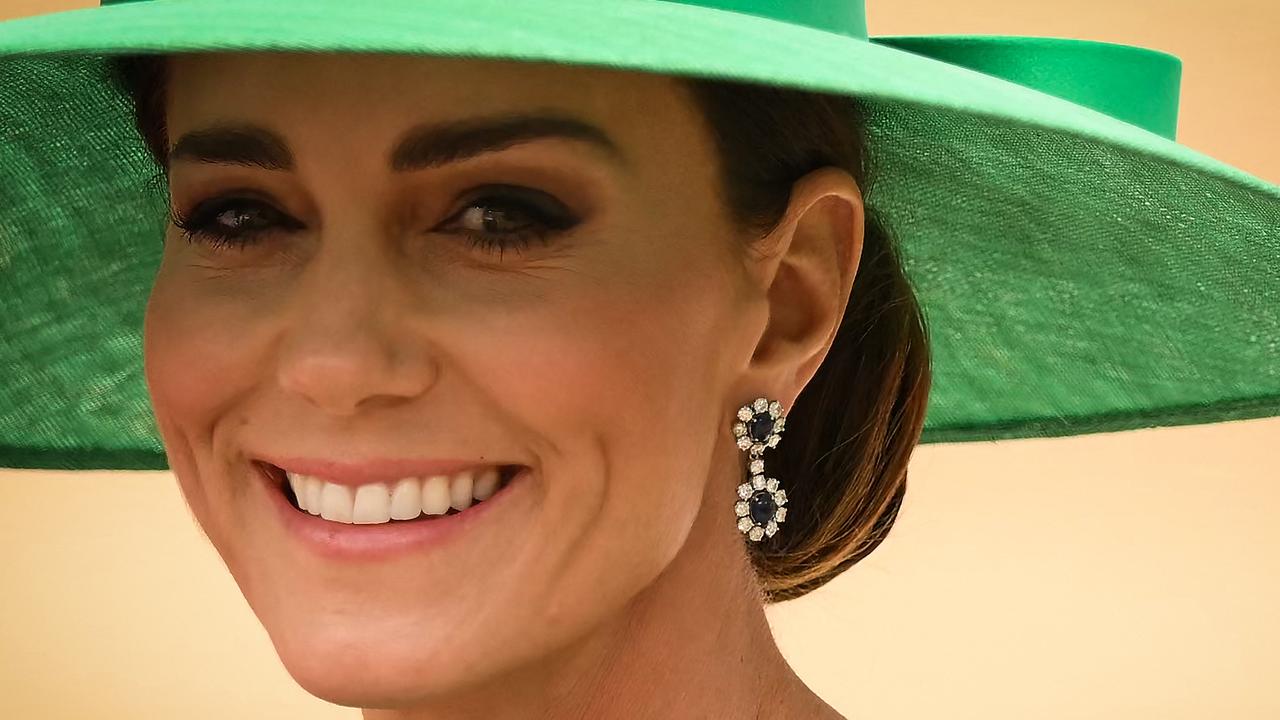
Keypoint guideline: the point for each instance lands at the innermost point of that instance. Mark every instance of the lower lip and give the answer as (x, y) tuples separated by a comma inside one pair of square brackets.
[(350, 542)]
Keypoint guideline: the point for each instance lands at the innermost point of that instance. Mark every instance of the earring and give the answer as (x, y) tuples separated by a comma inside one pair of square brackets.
[(760, 501)]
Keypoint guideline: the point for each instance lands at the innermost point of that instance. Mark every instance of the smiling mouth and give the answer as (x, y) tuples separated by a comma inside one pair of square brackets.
[(433, 498)]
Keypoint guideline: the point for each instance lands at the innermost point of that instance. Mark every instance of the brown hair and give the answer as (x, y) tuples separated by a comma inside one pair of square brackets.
[(843, 458)]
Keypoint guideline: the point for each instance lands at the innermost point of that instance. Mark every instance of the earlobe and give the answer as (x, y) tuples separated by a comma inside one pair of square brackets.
[(817, 256)]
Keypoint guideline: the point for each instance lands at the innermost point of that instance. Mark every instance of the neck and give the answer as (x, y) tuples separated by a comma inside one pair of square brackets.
[(694, 644)]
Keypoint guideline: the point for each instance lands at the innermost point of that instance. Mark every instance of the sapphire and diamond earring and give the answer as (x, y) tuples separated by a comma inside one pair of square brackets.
[(760, 501)]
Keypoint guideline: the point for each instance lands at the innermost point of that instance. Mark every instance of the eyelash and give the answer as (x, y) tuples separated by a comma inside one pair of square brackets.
[(199, 226)]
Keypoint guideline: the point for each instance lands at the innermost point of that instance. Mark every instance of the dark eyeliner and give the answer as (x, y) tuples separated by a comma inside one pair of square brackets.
[(546, 217), (538, 205), (196, 223)]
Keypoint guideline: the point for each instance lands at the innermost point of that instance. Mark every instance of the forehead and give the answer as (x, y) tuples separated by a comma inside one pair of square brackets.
[(376, 94)]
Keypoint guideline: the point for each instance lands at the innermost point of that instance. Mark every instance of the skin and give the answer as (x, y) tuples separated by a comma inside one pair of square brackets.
[(611, 360)]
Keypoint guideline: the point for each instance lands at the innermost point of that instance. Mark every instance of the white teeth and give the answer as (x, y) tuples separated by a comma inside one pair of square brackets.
[(336, 502), (435, 495), (486, 483), (460, 490), (373, 505), (405, 499), (311, 494), (298, 484)]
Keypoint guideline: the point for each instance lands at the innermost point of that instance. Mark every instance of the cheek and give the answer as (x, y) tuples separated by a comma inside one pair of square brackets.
[(191, 361), (622, 378), (192, 371)]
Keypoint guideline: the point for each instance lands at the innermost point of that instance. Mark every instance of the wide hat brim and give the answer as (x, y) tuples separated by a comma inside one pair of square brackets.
[(1077, 273)]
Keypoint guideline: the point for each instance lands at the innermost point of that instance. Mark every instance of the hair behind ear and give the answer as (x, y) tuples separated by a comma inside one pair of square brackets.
[(852, 429)]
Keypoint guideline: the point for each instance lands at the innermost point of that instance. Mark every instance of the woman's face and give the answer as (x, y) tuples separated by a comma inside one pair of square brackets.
[(606, 354)]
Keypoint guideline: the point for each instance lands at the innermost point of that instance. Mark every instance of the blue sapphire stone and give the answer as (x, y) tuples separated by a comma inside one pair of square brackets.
[(760, 427), (762, 507)]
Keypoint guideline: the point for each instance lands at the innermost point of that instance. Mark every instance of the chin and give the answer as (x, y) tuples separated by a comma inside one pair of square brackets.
[(356, 668)]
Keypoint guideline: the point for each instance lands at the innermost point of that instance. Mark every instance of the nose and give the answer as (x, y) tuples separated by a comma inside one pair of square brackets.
[(349, 339)]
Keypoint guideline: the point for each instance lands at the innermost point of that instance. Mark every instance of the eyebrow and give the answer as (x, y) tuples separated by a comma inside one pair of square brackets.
[(422, 147)]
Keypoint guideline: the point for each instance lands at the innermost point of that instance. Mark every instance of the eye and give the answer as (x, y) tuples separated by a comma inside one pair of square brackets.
[(544, 218), (237, 222), (228, 222)]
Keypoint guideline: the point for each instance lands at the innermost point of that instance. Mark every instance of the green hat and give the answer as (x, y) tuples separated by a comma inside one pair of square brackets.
[(1078, 269)]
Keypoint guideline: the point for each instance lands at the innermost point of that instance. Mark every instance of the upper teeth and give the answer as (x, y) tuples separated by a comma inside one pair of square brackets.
[(402, 500)]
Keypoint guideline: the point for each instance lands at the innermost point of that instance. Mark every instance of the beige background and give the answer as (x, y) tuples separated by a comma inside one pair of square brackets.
[(1121, 575)]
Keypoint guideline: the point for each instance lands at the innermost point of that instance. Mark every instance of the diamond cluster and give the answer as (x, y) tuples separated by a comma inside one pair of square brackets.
[(761, 502), (760, 426)]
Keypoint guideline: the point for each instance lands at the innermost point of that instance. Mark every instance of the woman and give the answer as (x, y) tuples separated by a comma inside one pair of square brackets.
[(569, 305), (461, 363)]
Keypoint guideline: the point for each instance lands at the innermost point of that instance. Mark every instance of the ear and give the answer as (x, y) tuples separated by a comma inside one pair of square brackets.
[(807, 271)]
